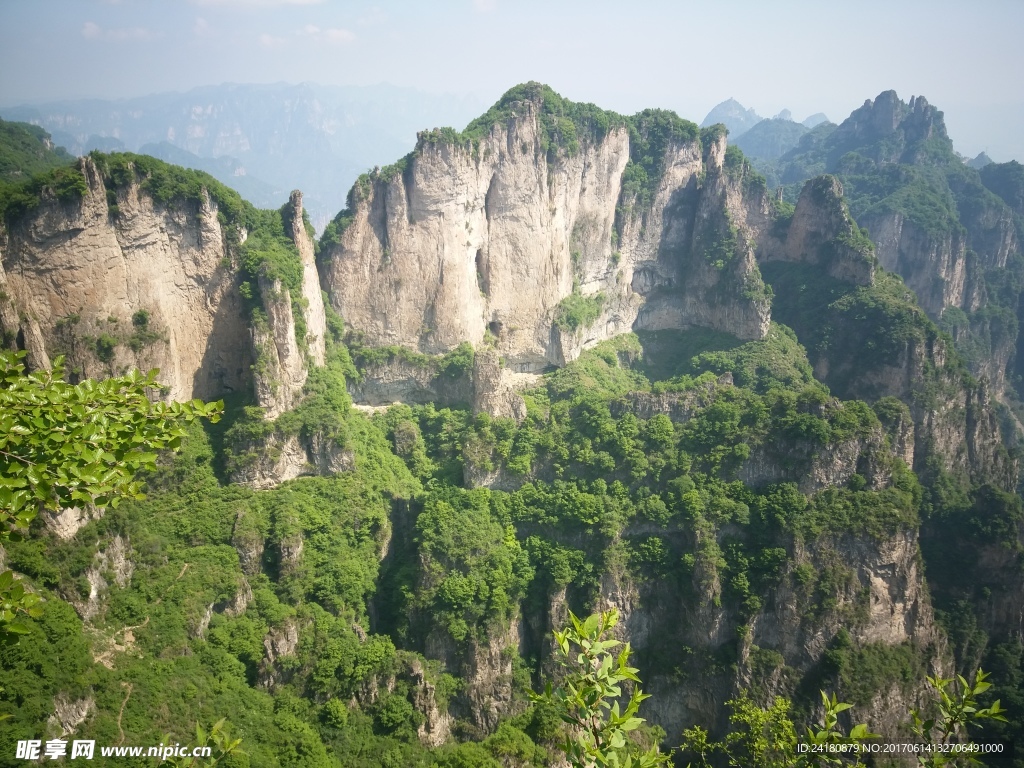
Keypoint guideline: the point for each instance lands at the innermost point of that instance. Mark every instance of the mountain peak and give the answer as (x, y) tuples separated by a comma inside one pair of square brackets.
[(816, 119), (737, 118), (889, 130)]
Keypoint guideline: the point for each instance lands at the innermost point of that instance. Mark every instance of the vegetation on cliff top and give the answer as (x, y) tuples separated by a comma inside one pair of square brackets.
[(562, 124), (171, 185), (26, 150), (651, 133), (268, 250), (29, 166)]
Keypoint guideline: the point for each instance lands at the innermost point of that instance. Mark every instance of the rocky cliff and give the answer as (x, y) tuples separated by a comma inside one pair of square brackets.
[(822, 232), (544, 246), (140, 267), (930, 215), (880, 601), (283, 353), (114, 279)]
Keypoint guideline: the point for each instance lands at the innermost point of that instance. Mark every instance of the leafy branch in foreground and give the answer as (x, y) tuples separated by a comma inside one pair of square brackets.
[(218, 739), (66, 445), (766, 737), (588, 698), (958, 709)]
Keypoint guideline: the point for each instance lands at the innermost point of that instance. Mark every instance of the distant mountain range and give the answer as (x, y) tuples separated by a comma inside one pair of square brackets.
[(760, 138), (263, 140), (738, 119), (734, 116)]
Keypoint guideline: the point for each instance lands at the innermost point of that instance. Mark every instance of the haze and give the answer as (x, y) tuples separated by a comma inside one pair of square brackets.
[(686, 56)]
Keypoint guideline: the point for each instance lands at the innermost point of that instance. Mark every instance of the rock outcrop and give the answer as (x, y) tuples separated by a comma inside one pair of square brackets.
[(436, 727), (282, 358), (953, 417), (822, 232), (65, 523), (280, 370), (68, 714), (280, 642), (120, 277), (146, 287), (466, 238), (934, 265), (935, 224), (880, 598), (493, 393), (280, 458), (111, 561), (485, 667), (248, 540), (815, 467), (398, 379)]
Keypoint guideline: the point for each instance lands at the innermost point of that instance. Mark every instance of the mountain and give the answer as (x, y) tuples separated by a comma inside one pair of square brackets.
[(733, 116), (980, 161), (815, 120), (770, 139), (563, 359), (26, 150), (317, 138), (1007, 181), (555, 239), (225, 169), (933, 218)]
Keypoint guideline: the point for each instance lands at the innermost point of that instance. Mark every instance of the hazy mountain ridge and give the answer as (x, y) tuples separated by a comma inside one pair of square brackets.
[(734, 116), (770, 139), (933, 217), (317, 138), (762, 139)]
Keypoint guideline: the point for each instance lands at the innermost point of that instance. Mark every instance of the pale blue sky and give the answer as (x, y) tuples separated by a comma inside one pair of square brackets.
[(965, 57)]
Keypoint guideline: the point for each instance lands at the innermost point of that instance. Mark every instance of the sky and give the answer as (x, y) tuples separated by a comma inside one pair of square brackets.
[(809, 57)]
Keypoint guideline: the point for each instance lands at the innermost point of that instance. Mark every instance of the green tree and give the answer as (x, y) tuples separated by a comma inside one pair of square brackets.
[(958, 709), (64, 445), (224, 750), (766, 737), (588, 698)]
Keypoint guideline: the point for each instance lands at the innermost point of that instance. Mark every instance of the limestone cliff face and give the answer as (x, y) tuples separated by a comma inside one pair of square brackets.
[(941, 255), (280, 370), (312, 300), (822, 232), (73, 276), (472, 239), (401, 380), (464, 240), (493, 391), (881, 599), (282, 458), (677, 629), (485, 668), (704, 273), (282, 358), (955, 421), (934, 265), (814, 467)]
